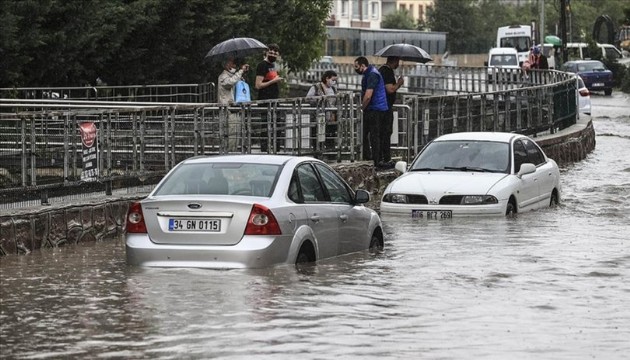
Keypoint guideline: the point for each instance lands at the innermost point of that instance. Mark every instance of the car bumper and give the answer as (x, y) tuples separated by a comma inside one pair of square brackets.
[(250, 252), (457, 210)]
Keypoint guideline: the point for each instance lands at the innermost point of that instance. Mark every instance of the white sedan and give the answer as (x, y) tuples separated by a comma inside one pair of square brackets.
[(475, 173), (249, 211)]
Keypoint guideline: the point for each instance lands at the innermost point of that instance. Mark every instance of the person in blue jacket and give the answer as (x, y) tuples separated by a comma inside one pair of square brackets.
[(374, 106)]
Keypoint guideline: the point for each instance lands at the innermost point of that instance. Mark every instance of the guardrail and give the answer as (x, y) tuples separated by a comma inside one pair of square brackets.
[(41, 149)]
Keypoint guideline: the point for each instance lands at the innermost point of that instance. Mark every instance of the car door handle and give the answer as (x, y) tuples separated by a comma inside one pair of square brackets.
[(315, 218), (343, 217)]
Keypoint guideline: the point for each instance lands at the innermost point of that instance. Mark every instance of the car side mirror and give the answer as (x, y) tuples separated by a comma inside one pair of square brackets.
[(401, 166), (526, 168), (361, 196)]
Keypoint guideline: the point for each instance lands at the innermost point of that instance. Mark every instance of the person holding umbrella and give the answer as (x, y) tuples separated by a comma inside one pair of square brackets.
[(391, 86), (267, 84), (225, 96), (374, 106)]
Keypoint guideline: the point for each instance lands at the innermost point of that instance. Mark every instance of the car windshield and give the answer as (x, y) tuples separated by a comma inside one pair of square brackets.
[(504, 60), (469, 155), (591, 66), (220, 178)]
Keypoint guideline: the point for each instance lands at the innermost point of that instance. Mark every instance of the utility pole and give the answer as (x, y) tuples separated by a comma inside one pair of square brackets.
[(542, 22), (563, 29)]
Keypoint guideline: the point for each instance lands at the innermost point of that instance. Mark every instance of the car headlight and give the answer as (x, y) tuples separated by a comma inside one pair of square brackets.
[(479, 200), (396, 198)]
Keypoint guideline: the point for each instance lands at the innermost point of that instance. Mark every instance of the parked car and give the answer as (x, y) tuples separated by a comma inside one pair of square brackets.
[(474, 173), (594, 73), (584, 97), (580, 51), (503, 63), (249, 211)]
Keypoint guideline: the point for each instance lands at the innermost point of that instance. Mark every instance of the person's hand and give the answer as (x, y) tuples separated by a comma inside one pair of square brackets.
[(400, 81), (278, 79), (245, 67)]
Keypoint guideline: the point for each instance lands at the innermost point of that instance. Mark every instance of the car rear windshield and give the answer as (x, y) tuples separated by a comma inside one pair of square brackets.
[(591, 66), (486, 156), (221, 179)]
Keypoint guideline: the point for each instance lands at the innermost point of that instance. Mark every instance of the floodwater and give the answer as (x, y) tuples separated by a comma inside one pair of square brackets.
[(551, 284)]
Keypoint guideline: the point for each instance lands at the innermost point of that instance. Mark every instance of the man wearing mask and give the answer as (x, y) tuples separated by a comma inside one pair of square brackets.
[(391, 87), (374, 106), (267, 83), (225, 96)]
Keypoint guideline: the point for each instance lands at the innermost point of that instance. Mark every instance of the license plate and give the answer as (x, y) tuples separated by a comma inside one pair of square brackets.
[(431, 214), (598, 84), (212, 225)]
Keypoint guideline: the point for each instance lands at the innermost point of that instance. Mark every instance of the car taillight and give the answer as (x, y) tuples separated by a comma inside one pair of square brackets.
[(584, 92), (135, 219), (262, 222)]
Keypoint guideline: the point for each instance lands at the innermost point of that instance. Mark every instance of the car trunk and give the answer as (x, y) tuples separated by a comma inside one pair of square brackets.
[(195, 221)]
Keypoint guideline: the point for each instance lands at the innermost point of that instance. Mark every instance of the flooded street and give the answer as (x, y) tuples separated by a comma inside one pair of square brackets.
[(551, 284)]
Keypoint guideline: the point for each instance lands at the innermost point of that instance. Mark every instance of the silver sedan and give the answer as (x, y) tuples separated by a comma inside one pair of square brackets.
[(249, 211)]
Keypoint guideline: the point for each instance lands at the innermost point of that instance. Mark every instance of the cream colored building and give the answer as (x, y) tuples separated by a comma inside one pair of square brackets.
[(356, 14), (417, 8)]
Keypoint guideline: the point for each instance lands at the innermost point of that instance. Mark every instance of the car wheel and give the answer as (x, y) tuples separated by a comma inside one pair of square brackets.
[(306, 254), (553, 202), (608, 92), (376, 243), (510, 209)]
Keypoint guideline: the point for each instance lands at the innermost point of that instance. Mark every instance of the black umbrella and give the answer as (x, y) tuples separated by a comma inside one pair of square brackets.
[(405, 52), (235, 48)]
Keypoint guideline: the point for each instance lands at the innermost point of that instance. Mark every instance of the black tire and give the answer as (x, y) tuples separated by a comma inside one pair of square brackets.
[(306, 255), (510, 209), (607, 92), (553, 202), (376, 243)]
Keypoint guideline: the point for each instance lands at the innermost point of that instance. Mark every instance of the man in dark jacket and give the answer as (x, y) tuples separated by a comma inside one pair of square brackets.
[(374, 106)]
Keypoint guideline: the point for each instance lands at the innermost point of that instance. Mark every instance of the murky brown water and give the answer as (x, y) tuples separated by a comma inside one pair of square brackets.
[(552, 284)]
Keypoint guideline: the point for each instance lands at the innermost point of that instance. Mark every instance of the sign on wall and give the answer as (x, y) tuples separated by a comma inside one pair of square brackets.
[(89, 151)]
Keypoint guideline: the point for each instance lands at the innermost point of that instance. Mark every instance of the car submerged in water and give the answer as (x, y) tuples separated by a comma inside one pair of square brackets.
[(249, 211), (474, 174)]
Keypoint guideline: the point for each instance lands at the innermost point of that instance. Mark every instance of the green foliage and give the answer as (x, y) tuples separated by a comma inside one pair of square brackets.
[(72, 42), (400, 19), (458, 19)]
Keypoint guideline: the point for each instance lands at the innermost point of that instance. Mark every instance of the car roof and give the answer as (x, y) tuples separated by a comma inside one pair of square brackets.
[(503, 50), (247, 158), (479, 136), (582, 61)]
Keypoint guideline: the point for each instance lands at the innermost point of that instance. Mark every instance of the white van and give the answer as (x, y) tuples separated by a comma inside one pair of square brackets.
[(503, 60), (579, 51)]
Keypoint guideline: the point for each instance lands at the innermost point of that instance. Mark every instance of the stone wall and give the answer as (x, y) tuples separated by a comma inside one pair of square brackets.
[(104, 218)]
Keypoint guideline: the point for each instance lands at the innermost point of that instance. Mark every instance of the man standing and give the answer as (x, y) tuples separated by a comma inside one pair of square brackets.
[(267, 84), (539, 60), (391, 87), (374, 106), (225, 96)]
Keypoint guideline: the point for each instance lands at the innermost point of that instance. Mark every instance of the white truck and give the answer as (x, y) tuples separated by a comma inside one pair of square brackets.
[(518, 37)]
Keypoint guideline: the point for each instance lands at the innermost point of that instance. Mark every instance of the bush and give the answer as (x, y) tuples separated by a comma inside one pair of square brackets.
[(617, 69)]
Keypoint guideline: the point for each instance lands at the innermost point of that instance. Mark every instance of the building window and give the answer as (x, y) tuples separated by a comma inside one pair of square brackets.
[(402, 7), (374, 11), (344, 8), (420, 12)]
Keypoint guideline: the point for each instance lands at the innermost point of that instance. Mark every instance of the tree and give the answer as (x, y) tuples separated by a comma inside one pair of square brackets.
[(457, 18), (400, 19), (72, 42)]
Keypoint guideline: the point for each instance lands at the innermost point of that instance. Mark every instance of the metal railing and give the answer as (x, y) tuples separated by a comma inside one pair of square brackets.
[(41, 150)]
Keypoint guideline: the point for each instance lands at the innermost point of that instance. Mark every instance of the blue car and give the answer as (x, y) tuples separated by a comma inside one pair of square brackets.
[(594, 73)]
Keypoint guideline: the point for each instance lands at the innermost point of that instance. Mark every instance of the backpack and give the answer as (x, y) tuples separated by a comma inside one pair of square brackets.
[(241, 92)]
